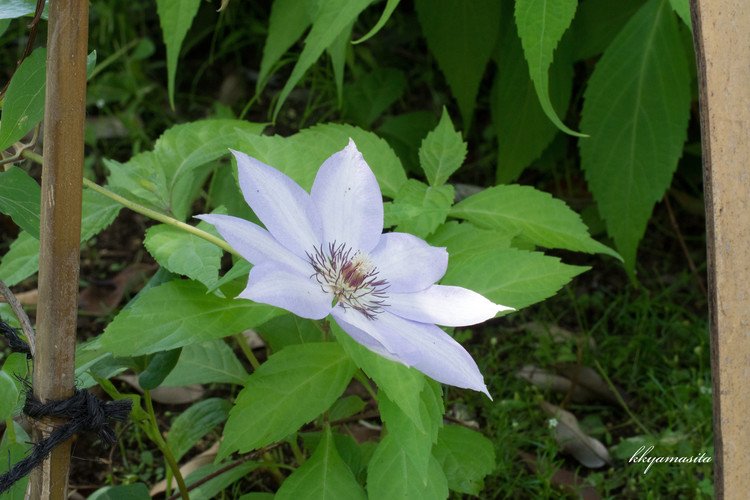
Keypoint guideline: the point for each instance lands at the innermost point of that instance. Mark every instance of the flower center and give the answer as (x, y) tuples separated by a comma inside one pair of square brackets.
[(351, 278)]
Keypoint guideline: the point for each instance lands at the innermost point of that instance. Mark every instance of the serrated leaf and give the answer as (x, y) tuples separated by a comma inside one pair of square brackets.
[(301, 155), (442, 151), (465, 237), (536, 215), (290, 389), (194, 423), (23, 104), (392, 474), (466, 457), (346, 407), (333, 17), (21, 260), (98, 212), (418, 208), (636, 109), (289, 19), (183, 253), (20, 199), (324, 476), (176, 314), (175, 18), (541, 24), (370, 95), (523, 129), (461, 36), (206, 363), (512, 277), (405, 132)]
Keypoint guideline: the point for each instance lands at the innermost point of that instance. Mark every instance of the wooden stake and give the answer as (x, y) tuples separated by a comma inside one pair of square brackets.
[(722, 41), (60, 229)]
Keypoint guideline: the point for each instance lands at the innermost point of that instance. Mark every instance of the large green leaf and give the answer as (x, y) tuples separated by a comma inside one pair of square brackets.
[(636, 109), (536, 215), (332, 18), (176, 314), (21, 260), (290, 389), (175, 17), (23, 105), (392, 474), (98, 212), (8, 396), (163, 179), (442, 151), (14, 447), (597, 22), (324, 476), (289, 19), (541, 24), (289, 329), (183, 253), (466, 458), (205, 363), (418, 208), (370, 95), (390, 6), (194, 423), (218, 480), (20, 198), (301, 155), (461, 35), (523, 129)]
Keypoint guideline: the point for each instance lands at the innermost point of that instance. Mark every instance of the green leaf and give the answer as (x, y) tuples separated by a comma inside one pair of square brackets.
[(390, 6), (597, 23), (4, 23), (8, 396), (21, 260), (98, 212), (14, 447), (466, 458), (333, 17), (442, 151), (213, 487), (301, 155), (289, 19), (636, 108), (523, 129), (418, 208), (682, 9), (11, 9), (194, 423), (240, 269), (290, 389), (183, 253), (461, 36), (23, 105), (289, 329), (536, 215), (176, 314), (511, 277), (175, 17), (337, 51), (397, 381), (160, 365), (392, 474), (163, 179), (206, 363), (405, 132), (465, 237), (372, 94), (541, 24), (323, 476), (20, 199), (135, 491), (346, 407)]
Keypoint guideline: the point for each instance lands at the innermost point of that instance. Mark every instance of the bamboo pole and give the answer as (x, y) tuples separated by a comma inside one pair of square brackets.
[(60, 228), (722, 41)]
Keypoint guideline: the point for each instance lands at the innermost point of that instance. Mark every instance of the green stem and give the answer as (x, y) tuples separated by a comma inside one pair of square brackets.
[(152, 214), (164, 448), (247, 351)]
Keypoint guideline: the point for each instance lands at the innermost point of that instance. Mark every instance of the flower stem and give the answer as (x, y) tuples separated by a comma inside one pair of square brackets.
[(164, 448), (152, 214), (247, 351)]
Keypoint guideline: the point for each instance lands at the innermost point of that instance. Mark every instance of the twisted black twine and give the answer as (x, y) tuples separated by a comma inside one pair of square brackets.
[(83, 411)]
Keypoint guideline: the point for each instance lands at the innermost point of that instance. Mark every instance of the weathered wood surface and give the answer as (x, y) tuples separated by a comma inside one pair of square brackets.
[(60, 228), (722, 40)]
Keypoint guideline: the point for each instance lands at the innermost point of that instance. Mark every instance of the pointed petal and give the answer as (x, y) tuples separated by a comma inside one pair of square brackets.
[(274, 284), (444, 305), (253, 242), (282, 205), (348, 199), (421, 345), (408, 263)]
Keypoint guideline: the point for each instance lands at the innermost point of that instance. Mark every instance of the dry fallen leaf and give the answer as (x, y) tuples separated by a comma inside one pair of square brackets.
[(589, 379), (588, 451), (550, 382), (557, 333), (168, 395), (188, 467), (101, 298)]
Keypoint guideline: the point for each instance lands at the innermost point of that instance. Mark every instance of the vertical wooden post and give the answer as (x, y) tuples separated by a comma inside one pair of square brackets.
[(60, 229), (722, 41)]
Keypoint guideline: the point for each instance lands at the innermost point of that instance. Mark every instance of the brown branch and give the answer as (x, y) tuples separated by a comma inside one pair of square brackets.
[(23, 318)]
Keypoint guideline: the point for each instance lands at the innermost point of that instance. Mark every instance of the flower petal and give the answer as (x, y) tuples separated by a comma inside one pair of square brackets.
[(282, 205), (444, 305), (274, 284), (254, 243), (360, 336), (421, 345), (348, 199), (408, 263)]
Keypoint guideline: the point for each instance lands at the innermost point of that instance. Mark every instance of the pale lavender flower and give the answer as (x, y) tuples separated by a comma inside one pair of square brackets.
[(325, 253)]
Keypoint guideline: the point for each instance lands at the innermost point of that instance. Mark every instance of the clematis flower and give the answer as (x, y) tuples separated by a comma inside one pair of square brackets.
[(325, 253)]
